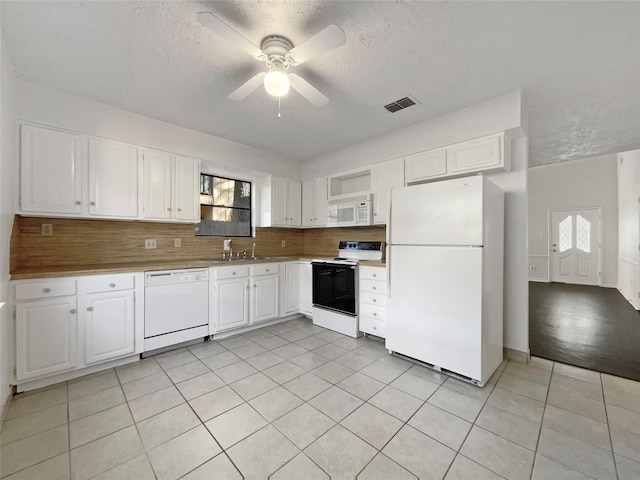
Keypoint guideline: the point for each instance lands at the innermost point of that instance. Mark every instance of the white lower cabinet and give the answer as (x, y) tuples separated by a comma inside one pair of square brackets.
[(66, 324), (46, 337), (230, 298), (291, 288), (306, 289), (265, 292), (373, 300), (109, 327)]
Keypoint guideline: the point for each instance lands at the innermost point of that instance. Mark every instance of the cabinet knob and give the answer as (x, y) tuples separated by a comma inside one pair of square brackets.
[(375, 328), (254, 286), (375, 314), (73, 310), (78, 202), (374, 300), (179, 209), (233, 273), (89, 309), (93, 204), (267, 270), (373, 288), (374, 275), (112, 285), (46, 290)]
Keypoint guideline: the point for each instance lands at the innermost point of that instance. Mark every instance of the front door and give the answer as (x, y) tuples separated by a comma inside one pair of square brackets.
[(575, 246)]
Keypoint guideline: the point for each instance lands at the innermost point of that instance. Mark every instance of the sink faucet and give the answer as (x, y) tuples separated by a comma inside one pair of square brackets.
[(253, 250)]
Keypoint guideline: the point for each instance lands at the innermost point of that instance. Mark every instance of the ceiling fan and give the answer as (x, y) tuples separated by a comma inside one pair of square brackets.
[(279, 54)]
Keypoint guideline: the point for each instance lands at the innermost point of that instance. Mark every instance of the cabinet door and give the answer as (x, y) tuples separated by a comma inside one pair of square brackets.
[(108, 325), (308, 203), (476, 155), (156, 185), (320, 202), (51, 171), (113, 179), (231, 303), (384, 177), (265, 298), (46, 337), (424, 165), (305, 290), (292, 288), (279, 196), (294, 203), (186, 202)]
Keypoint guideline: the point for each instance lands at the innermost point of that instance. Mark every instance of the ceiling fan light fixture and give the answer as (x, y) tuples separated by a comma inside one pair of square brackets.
[(276, 83)]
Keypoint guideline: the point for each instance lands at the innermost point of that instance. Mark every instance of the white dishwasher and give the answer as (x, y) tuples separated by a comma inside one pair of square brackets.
[(176, 307)]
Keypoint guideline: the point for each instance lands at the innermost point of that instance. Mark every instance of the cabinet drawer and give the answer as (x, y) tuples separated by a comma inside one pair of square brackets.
[(373, 299), (107, 283), (45, 289), (266, 269), (373, 273), (373, 286), (373, 326), (231, 272), (373, 311)]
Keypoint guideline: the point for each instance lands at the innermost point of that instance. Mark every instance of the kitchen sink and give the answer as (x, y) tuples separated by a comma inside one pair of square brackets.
[(234, 259)]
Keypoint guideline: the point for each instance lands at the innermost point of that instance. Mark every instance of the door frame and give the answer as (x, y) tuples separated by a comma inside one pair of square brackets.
[(550, 237)]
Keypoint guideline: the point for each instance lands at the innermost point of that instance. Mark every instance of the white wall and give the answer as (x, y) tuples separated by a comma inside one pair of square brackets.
[(46, 106), (500, 114), (505, 113), (590, 182), (7, 192)]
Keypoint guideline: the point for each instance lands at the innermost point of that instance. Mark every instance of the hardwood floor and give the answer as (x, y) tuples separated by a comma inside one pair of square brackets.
[(589, 327)]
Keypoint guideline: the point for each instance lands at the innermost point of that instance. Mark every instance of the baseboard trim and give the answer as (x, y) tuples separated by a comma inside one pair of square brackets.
[(517, 355), (5, 407), (540, 280)]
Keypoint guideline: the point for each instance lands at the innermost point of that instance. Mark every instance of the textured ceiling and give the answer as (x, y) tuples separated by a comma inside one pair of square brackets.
[(578, 64)]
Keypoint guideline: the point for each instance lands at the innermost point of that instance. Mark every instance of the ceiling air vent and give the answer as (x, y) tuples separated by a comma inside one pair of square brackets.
[(400, 104)]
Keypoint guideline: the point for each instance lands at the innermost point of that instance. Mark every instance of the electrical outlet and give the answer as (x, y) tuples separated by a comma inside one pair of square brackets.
[(150, 243), (177, 242), (283, 244), (47, 229)]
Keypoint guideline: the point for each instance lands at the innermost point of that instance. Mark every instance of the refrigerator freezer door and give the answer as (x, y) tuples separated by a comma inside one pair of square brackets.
[(434, 313), (439, 213)]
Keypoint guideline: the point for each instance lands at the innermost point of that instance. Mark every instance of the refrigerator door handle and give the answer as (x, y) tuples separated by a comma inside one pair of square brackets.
[(388, 229), (388, 269)]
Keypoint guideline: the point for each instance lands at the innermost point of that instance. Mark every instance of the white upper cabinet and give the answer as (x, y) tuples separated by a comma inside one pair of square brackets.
[(186, 192), (156, 185), (67, 174), (113, 179), (170, 187), (314, 202), (482, 154), (384, 177), (51, 171), (479, 155), (424, 165), (286, 202)]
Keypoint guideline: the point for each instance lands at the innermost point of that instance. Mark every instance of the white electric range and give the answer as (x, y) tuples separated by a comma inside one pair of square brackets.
[(335, 286)]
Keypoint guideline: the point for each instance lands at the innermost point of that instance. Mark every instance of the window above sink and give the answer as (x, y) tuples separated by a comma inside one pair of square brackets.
[(225, 207)]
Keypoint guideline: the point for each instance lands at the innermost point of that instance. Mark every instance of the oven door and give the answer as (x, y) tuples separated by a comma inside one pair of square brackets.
[(334, 287)]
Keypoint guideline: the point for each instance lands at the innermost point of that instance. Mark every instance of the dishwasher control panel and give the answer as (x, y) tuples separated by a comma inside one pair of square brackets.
[(173, 277)]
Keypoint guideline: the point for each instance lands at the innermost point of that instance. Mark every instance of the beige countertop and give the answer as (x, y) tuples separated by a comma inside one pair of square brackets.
[(74, 270)]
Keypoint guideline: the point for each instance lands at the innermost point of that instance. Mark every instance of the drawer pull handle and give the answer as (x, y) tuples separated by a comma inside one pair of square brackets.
[(375, 328), (374, 275), (73, 310), (267, 269), (89, 309), (47, 290), (93, 204), (112, 285), (233, 273), (374, 300), (375, 314), (179, 209), (374, 288), (78, 202)]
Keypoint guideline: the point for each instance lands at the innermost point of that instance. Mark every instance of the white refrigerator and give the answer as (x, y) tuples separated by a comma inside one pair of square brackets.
[(445, 262)]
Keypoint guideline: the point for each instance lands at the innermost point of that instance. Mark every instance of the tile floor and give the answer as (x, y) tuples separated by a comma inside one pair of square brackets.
[(295, 401)]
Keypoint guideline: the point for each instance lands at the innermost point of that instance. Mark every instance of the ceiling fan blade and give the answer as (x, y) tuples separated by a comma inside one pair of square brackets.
[(216, 25), (246, 88), (323, 41), (308, 91)]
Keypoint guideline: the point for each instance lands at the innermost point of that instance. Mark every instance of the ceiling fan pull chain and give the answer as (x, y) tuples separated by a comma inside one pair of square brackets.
[(279, 116)]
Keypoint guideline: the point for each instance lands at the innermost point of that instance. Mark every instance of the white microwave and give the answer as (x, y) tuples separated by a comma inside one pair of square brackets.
[(350, 212)]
